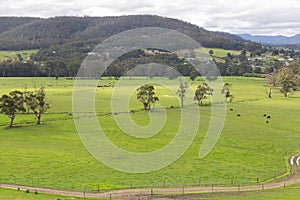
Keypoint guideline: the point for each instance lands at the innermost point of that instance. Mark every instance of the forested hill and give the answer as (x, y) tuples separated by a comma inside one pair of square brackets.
[(8, 23), (18, 33)]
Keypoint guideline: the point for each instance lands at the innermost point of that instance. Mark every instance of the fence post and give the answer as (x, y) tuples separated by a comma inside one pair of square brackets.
[(257, 180), (109, 196), (284, 184), (212, 188), (151, 192), (199, 182), (84, 191), (239, 187), (183, 189), (262, 186)]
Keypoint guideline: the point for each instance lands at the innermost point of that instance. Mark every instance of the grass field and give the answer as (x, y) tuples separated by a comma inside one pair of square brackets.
[(52, 155), (290, 193), (9, 194), (4, 55), (221, 52)]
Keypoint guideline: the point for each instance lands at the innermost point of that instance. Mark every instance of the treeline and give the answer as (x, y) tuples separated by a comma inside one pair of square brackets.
[(63, 64), (55, 66), (51, 68), (30, 33)]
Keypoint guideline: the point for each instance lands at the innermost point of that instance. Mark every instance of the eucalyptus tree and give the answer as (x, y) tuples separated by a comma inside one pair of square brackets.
[(11, 104), (146, 95), (181, 92), (202, 92)]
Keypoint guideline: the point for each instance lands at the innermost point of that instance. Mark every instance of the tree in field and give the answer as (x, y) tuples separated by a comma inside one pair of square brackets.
[(271, 83), (181, 92), (202, 92), (295, 67), (146, 95), (226, 91), (11, 104), (38, 104), (287, 81), (28, 97)]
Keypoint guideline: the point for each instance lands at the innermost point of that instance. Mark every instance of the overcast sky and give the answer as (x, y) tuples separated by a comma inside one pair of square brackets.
[(271, 17)]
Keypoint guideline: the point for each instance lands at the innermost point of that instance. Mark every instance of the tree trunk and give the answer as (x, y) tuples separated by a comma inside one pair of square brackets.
[(270, 92), (145, 106), (39, 118), (11, 122)]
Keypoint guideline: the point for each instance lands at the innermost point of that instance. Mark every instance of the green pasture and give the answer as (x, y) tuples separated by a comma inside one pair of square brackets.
[(221, 52), (218, 54), (291, 193), (9, 194), (4, 55), (52, 155)]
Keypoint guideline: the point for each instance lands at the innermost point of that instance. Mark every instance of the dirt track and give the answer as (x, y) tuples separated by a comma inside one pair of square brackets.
[(152, 193)]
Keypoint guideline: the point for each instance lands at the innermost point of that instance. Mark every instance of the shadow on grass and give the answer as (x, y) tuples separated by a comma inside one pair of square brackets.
[(13, 127)]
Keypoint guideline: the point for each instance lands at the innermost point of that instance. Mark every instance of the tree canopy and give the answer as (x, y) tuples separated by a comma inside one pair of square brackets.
[(202, 92), (146, 95), (11, 104)]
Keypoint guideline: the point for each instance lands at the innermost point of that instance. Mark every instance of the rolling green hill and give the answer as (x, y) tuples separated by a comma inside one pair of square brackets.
[(33, 33)]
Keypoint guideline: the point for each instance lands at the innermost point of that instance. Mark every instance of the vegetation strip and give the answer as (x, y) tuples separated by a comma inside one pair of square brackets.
[(130, 193)]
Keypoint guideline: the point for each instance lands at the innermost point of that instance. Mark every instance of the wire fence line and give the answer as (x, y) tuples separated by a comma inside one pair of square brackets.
[(150, 193), (165, 183)]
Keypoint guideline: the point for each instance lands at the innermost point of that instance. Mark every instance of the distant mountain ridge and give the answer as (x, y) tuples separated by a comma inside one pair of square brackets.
[(277, 40), (35, 33)]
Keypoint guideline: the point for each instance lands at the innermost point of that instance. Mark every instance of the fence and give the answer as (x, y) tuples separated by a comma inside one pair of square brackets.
[(127, 184)]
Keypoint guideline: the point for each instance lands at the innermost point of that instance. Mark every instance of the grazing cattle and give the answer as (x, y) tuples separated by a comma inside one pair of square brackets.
[(269, 117), (265, 115), (238, 115), (231, 109), (267, 121)]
